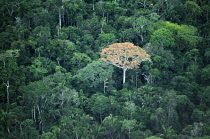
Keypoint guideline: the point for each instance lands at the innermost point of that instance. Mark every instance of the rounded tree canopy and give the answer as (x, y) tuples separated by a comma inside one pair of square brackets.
[(124, 55)]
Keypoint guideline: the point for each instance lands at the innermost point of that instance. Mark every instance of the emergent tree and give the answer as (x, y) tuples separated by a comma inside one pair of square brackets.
[(124, 55)]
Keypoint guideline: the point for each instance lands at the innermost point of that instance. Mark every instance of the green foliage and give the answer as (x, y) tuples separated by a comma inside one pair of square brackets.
[(53, 86), (187, 33), (206, 73), (28, 129), (153, 137), (162, 38), (106, 39), (95, 75), (100, 106), (197, 115), (205, 97), (184, 103), (80, 60), (48, 135)]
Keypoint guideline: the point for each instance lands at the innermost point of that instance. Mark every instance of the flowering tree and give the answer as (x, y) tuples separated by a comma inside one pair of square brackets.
[(124, 55)]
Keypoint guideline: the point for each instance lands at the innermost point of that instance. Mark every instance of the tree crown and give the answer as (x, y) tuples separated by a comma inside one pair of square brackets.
[(124, 55)]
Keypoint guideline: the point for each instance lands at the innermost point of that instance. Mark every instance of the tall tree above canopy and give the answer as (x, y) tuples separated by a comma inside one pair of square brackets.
[(124, 55)]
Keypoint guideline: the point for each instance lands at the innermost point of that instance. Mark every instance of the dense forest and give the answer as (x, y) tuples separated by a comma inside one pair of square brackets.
[(54, 85)]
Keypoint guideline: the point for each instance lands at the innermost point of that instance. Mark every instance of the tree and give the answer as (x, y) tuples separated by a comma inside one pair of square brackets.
[(128, 125), (80, 60), (192, 12), (7, 119), (124, 55), (129, 108), (183, 104), (10, 65), (187, 35), (139, 25), (28, 129), (106, 39), (37, 98), (100, 106), (94, 75), (39, 67), (205, 74), (162, 37)]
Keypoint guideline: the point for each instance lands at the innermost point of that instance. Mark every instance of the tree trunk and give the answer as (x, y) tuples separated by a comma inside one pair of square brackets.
[(124, 74), (136, 79), (100, 118), (93, 6), (142, 38), (7, 85), (105, 85), (59, 17), (34, 113), (129, 132)]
